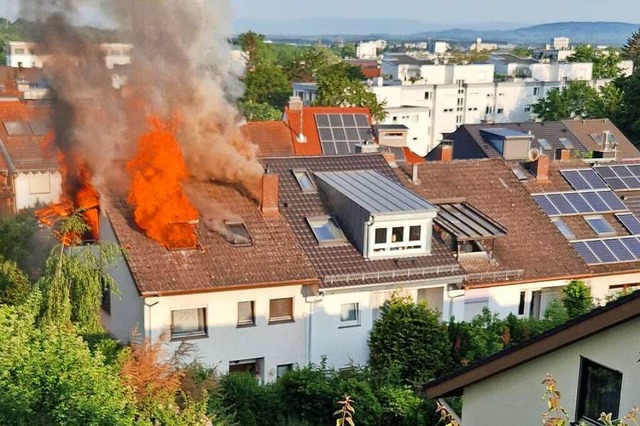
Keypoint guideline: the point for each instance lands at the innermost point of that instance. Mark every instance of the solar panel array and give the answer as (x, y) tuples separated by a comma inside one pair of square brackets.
[(630, 221), (609, 250), (583, 202), (340, 133), (584, 179), (620, 177)]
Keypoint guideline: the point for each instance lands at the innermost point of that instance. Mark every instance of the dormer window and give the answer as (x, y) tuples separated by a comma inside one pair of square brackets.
[(238, 234), (398, 238), (326, 230), (304, 180)]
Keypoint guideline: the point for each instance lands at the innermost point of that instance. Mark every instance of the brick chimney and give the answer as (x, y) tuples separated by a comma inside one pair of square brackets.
[(295, 103), (391, 158), (270, 194), (565, 154), (444, 151), (541, 168)]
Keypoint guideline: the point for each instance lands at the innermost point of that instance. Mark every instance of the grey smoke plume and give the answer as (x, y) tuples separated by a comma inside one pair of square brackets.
[(181, 67)]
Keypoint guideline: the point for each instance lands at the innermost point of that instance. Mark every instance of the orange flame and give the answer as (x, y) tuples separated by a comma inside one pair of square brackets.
[(157, 172), (77, 192)]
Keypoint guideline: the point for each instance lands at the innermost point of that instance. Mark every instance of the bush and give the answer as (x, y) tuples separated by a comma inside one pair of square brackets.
[(310, 393), (251, 403), (577, 298), (14, 284)]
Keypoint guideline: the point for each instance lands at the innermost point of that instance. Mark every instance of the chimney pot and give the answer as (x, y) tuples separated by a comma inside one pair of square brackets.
[(541, 166), (270, 194), (565, 154), (295, 103), (445, 150)]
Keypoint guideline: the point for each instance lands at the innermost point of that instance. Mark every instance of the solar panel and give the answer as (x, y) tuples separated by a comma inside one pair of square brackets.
[(608, 250), (582, 179), (582, 202), (620, 177), (630, 221), (340, 133)]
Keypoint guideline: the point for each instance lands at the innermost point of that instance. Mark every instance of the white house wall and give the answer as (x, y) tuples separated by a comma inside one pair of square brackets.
[(31, 189), (514, 396)]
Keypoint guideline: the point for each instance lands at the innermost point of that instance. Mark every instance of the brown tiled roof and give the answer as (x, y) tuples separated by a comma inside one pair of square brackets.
[(581, 129), (532, 243), (273, 259), (272, 138), (27, 152), (577, 224), (333, 264), (469, 143)]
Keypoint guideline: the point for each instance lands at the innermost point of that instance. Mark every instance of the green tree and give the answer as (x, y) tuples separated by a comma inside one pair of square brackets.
[(628, 117), (576, 100), (14, 284), (310, 393), (252, 44), (522, 52), (50, 377), (409, 337), (259, 112), (307, 65), (605, 65), (577, 298), (74, 278), (15, 234), (267, 84), (607, 102), (631, 50)]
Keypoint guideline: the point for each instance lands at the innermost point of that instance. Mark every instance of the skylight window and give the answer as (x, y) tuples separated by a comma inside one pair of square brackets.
[(239, 235), (326, 230), (15, 128), (304, 180), (563, 228), (600, 226)]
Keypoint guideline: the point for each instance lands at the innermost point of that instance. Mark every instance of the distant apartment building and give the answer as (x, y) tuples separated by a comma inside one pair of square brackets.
[(440, 47), (27, 54), (369, 49)]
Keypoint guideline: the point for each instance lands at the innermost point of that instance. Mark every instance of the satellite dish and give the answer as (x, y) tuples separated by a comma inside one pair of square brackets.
[(534, 154)]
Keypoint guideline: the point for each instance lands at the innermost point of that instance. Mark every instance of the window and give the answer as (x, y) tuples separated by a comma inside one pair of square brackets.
[(473, 308), (381, 236), (536, 91), (427, 96), (414, 233), (246, 314), (534, 306), (349, 314), (523, 295), (562, 227), (187, 323), (397, 234), (304, 180), (527, 108), (238, 234), (39, 183), (282, 369), (326, 230), (598, 391), (19, 51), (600, 226), (500, 110), (281, 310), (105, 302)]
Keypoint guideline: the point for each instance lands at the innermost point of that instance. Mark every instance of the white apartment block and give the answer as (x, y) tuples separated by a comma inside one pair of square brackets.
[(28, 54), (369, 49)]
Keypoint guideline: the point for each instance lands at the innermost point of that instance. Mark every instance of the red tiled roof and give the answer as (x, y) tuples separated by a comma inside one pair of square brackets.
[(25, 152), (272, 138), (532, 243), (309, 129), (273, 259)]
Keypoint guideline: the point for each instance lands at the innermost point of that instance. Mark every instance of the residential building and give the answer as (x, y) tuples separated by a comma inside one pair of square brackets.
[(440, 47), (26, 54), (272, 138), (28, 167), (366, 235), (367, 50), (593, 359), (480, 46), (238, 296), (370, 67)]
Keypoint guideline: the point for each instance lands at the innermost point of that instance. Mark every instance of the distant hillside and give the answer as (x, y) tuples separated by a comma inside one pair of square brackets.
[(354, 27)]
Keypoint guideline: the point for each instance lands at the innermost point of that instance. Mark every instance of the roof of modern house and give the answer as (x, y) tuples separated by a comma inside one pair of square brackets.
[(404, 59), (532, 249), (23, 138), (272, 138), (306, 136), (598, 320), (274, 257), (508, 58), (470, 143), (344, 265), (586, 130)]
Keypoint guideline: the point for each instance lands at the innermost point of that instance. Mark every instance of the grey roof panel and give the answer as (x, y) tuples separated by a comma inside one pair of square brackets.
[(506, 133), (374, 192), (467, 223)]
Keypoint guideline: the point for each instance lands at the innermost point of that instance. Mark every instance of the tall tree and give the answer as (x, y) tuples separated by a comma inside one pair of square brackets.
[(605, 64), (14, 284), (576, 100), (631, 50), (74, 278), (252, 44), (267, 83), (628, 119)]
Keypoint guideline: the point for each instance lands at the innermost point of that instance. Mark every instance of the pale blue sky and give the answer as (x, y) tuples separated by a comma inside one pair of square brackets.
[(445, 12)]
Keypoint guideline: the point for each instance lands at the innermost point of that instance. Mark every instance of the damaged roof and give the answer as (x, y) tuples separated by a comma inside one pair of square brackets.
[(272, 138), (274, 257)]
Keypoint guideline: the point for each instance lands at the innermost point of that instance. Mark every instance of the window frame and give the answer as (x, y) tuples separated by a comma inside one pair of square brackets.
[(286, 367), (283, 318), (344, 323), (563, 228), (246, 323), (320, 221), (305, 174), (238, 240), (609, 232), (402, 247), (584, 388), (203, 330)]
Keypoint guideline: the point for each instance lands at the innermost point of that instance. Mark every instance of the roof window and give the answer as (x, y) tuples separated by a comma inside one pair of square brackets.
[(239, 235), (304, 180), (563, 228), (15, 128), (326, 230), (600, 226)]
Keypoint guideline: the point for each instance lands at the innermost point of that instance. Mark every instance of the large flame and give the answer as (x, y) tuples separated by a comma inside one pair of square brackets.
[(158, 172)]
